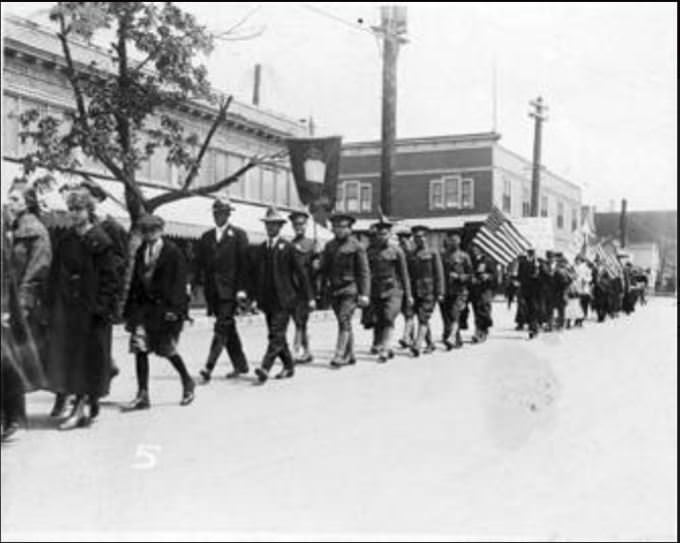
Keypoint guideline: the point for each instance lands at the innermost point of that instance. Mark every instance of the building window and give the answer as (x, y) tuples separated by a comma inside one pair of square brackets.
[(268, 186), (235, 163), (467, 194), (574, 219), (366, 196), (10, 125), (526, 201), (452, 192), (507, 195), (560, 215), (544, 206), (436, 194), (352, 196), (253, 188), (340, 197)]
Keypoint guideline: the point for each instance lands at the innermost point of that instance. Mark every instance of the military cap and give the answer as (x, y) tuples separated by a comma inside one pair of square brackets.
[(151, 222), (222, 202), (273, 215), (402, 229), (383, 223), (297, 214), (420, 228), (342, 217)]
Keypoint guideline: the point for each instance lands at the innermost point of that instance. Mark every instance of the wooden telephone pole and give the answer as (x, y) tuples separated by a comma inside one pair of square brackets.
[(538, 114), (391, 31)]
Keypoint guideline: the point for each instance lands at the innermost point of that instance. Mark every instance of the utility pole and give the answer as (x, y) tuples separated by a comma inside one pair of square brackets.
[(538, 114), (622, 224), (256, 84), (391, 31)]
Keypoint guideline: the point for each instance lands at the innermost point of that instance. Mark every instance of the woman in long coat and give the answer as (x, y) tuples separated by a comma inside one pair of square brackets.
[(83, 286), (26, 257)]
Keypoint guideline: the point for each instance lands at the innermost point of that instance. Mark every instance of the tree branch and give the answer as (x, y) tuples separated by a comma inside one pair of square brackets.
[(221, 115), (168, 197)]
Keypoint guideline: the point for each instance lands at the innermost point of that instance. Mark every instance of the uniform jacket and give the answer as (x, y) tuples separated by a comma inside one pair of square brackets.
[(457, 270), (166, 292), (426, 273), (290, 279), (389, 271), (305, 253), (344, 268), (483, 274), (532, 273), (222, 268)]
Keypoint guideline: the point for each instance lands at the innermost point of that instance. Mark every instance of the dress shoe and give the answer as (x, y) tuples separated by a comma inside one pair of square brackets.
[(188, 392), (140, 402), (351, 361), (429, 349), (403, 344), (59, 409), (337, 363), (415, 351), (262, 375), (77, 418), (10, 430), (374, 349), (304, 359), (205, 376), (448, 344), (94, 409), (382, 358), (285, 374), (390, 354)]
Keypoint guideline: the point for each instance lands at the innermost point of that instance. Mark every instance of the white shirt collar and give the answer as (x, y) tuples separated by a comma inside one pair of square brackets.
[(219, 230), (272, 241)]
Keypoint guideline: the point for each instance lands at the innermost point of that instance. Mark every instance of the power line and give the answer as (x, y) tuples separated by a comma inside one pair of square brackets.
[(333, 17)]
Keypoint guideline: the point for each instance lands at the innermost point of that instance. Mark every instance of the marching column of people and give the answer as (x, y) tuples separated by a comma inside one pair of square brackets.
[(62, 291)]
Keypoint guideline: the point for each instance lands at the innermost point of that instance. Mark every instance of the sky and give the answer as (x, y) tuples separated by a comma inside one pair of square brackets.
[(607, 71)]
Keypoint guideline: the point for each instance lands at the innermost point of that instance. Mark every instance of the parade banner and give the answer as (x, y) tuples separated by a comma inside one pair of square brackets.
[(315, 163)]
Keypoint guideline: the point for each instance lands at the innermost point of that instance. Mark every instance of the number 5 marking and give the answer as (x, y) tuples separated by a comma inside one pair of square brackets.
[(148, 454)]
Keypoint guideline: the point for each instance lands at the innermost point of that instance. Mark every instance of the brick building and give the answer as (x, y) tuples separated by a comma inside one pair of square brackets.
[(446, 181)]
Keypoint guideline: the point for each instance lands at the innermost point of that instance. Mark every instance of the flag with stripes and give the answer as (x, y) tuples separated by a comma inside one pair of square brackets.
[(500, 239), (607, 256)]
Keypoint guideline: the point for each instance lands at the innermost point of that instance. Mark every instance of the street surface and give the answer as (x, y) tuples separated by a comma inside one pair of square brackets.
[(570, 436)]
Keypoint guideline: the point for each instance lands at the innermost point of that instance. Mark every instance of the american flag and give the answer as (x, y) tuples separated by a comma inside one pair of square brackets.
[(500, 239), (607, 256)]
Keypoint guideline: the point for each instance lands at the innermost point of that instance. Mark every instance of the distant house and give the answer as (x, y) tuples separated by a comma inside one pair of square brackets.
[(651, 241)]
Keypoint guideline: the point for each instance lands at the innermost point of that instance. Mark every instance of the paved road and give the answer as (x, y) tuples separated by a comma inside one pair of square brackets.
[(572, 435)]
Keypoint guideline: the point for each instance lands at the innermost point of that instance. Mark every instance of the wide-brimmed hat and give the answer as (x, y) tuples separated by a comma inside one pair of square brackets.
[(382, 224), (342, 217), (273, 215), (150, 222), (222, 202), (297, 214)]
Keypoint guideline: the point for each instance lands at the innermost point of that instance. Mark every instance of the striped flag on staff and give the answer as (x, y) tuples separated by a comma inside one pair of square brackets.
[(609, 260), (500, 239)]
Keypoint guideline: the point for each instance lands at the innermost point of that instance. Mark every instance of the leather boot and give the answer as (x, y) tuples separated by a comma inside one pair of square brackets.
[(141, 401), (188, 392), (59, 408), (216, 346), (77, 418), (340, 355)]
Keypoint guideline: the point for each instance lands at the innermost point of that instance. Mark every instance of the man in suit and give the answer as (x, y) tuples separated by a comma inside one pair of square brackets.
[(156, 308), (390, 286), (344, 272), (221, 268), (532, 276), (307, 253), (281, 281)]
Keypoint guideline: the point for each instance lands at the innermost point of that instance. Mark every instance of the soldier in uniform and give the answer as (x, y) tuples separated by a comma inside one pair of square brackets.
[(427, 284), (482, 286), (221, 268), (406, 245), (344, 272), (531, 276), (306, 251), (156, 308), (281, 281), (390, 285), (457, 271)]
